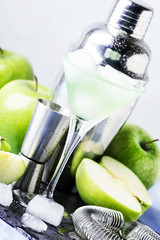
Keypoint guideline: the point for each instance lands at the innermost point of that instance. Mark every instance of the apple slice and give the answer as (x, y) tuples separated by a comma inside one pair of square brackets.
[(12, 167), (112, 186)]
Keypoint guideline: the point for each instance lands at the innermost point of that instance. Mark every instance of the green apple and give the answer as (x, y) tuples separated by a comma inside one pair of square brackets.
[(4, 146), (17, 102), (86, 149), (14, 66), (113, 186), (133, 147), (12, 167)]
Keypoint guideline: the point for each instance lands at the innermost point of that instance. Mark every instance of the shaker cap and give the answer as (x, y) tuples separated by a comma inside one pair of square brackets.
[(131, 16)]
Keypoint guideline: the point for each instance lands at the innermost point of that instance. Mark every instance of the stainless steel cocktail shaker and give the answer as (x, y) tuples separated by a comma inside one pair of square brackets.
[(118, 43)]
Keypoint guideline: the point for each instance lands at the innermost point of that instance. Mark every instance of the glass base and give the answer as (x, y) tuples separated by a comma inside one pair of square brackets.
[(21, 197)]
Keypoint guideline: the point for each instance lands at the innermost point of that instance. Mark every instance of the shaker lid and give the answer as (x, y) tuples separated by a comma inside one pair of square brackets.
[(131, 16)]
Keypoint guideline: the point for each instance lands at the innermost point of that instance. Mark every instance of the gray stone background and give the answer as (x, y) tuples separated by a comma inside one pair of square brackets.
[(42, 30)]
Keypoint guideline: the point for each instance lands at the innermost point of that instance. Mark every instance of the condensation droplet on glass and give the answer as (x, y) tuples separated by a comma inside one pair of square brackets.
[(131, 27)]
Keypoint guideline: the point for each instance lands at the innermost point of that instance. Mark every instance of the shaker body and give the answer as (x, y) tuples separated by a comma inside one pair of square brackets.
[(118, 51), (121, 47), (105, 131)]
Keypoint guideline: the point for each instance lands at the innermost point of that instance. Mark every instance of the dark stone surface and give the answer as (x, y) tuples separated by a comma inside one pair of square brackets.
[(12, 215)]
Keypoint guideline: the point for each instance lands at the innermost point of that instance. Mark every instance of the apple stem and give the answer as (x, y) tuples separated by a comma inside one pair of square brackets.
[(143, 145), (2, 139), (36, 80), (1, 51)]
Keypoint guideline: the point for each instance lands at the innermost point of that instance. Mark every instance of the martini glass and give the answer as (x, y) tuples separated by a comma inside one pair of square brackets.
[(91, 99)]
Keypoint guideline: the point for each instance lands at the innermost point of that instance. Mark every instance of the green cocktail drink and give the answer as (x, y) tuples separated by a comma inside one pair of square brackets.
[(94, 98)]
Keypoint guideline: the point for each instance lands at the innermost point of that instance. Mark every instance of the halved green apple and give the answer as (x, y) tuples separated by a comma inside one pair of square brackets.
[(112, 185), (12, 167)]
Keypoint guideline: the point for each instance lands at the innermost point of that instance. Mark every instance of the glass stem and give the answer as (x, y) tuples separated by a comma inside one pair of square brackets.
[(77, 129)]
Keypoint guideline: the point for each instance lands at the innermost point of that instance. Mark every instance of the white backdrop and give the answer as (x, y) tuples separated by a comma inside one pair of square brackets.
[(42, 30)]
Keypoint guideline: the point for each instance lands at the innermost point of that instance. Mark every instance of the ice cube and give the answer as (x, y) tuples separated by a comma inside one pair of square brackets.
[(115, 76), (83, 59), (34, 223), (6, 196), (137, 63), (46, 209)]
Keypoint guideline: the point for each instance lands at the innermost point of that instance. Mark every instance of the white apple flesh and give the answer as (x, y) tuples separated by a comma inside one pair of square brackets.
[(113, 186), (12, 167)]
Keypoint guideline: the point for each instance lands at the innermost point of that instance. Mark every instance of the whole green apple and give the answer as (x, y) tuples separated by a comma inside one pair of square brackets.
[(13, 66), (134, 147), (112, 185), (17, 102)]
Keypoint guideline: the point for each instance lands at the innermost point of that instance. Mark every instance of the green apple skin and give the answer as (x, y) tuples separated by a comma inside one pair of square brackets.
[(87, 149), (93, 194), (14, 66), (127, 147), (12, 167), (17, 102)]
